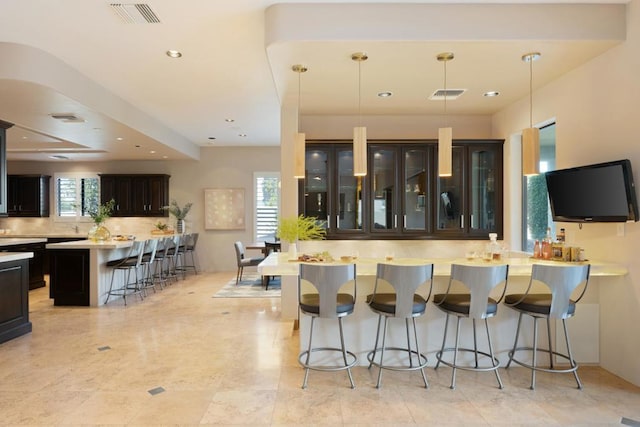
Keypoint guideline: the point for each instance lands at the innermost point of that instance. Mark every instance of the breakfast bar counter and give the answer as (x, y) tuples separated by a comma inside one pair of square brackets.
[(360, 327)]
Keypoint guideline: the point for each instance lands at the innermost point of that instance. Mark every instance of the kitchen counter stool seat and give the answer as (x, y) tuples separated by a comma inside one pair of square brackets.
[(562, 281), (403, 302), (476, 304), (323, 292)]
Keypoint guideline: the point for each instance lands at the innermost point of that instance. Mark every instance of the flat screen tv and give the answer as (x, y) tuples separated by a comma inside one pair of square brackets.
[(603, 192)]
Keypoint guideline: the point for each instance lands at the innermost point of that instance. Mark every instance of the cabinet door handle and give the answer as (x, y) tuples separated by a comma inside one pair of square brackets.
[(404, 221), (471, 221), (337, 221), (395, 221), (461, 221)]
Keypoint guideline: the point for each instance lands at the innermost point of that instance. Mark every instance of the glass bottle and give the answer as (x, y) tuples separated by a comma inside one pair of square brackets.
[(537, 253)]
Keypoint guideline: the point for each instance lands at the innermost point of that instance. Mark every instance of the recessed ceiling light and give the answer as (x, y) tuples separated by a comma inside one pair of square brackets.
[(243, 135), (119, 138), (165, 157), (491, 93), (152, 152), (229, 120), (24, 137), (174, 53), (385, 94)]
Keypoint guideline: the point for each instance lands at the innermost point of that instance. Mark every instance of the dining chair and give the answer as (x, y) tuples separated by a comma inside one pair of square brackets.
[(243, 261)]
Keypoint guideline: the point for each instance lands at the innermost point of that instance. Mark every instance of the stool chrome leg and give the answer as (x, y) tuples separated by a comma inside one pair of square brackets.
[(535, 351), (493, 359), (375, 347), (455, 356), (384, 338), (306, 369), (415, 332), (344, 353), (515, 344), (573, 363)]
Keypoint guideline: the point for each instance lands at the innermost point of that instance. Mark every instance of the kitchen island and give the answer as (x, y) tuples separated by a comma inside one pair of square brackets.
[(14, 295), (78, 270)]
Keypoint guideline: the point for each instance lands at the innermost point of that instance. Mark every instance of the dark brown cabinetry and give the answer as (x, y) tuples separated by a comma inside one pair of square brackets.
[(69, 277), (136, 195), (28, 195), (14, 299), (402, 196), (36, 263)]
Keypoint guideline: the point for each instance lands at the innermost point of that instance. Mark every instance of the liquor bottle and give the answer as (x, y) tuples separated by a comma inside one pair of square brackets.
[(537, 250)]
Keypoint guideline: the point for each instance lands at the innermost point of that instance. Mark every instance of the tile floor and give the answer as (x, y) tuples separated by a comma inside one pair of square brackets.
[(213, 361)]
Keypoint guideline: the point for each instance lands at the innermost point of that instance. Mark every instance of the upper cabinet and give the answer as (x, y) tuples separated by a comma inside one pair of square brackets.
[(28, 195), (3, 166), (402, 196), (136, 195)]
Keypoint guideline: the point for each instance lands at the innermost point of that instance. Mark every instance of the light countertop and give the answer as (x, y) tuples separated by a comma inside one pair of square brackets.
[(12, 241), (14, 256), (278, 264)]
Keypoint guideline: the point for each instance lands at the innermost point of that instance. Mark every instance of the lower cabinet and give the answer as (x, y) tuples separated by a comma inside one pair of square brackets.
[(14, 299), (36, 264), (69, 276)]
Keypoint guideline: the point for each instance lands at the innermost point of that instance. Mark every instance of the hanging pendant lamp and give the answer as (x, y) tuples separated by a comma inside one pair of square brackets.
[(531, 135), (445, 135), (299, 139), (359, 132)]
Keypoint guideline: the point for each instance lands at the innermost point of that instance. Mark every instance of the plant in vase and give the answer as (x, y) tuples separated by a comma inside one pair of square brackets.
[(179, 213), (302, 227), (99, 232)]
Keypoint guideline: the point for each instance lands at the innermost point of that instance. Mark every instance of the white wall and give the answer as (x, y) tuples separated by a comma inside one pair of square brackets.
[(597, 108)]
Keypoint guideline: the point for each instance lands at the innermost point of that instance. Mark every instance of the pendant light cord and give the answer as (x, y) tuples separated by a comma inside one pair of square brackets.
[(298, 112), (359, 93), (445, 89)]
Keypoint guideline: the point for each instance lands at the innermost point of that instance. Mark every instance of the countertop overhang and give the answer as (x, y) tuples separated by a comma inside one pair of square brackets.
[(14, 256), (12, 241)]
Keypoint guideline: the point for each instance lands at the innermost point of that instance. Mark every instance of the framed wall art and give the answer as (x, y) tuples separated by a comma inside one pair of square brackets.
[(224, 209)]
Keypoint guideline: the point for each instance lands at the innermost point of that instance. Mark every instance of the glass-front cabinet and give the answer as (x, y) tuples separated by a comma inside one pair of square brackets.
[(402, 196)]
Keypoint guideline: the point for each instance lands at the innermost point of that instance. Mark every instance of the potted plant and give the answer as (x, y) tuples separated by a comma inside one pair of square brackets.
[(180, 213), (302, 227), (99, 232)]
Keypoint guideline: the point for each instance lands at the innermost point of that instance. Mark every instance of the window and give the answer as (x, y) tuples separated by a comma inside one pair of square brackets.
[(76, 195), (267, 200), (537, 212)]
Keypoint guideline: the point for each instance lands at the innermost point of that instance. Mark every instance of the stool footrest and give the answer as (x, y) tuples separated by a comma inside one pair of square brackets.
[(570, 369), (422, 359), (495, 362), (351, 363)]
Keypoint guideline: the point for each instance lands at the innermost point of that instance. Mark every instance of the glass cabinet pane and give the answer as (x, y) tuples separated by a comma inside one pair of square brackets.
[(451, 195), (384, 211), (349, 216), (316, 184), (482, 196), (416, 195)]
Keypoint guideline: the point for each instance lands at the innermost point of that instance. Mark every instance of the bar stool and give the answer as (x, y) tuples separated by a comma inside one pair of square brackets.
[(148, 261), (402, 303), (127, 265), (477, 305), (562, 281), (324, 299), (159, 273), (189, 249)]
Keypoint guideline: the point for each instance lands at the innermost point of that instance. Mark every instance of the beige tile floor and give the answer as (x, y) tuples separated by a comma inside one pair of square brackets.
[(233, 362)]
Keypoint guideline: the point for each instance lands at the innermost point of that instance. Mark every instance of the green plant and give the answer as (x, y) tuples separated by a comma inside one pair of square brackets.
[(300, 228), (102, 212), (175, 209), (162, 226)]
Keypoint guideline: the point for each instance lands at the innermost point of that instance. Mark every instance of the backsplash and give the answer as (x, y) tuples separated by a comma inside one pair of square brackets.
[(47, 226)]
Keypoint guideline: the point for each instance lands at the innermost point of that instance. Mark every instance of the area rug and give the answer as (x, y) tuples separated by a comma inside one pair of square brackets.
[(250, 287)]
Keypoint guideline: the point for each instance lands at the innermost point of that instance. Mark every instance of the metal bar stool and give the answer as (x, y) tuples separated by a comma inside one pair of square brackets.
[(400, 300), (130, 263), (320, 296), (476, 304), (562, 281), (147, 263)]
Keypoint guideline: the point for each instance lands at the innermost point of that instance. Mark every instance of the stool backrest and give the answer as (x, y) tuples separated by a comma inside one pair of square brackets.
[(405, 280), (562, 280), (327, 280), (480, 280), (150, 248)]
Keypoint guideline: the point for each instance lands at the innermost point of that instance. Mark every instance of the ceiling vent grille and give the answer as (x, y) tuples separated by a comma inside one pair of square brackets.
[(67, 117), (452, 94), (135, 13)]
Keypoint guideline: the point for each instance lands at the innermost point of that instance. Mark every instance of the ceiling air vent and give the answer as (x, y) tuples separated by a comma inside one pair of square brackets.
[(135, 13), (67, 117), (452, 94)]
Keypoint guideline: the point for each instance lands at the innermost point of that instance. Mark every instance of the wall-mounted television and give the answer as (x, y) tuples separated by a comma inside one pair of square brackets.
[(602, 192)]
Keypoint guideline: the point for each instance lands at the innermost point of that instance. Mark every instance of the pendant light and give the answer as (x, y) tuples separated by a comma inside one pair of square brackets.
[(531, 135), (359, 132), (299, 139), (445, 135)]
